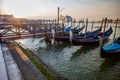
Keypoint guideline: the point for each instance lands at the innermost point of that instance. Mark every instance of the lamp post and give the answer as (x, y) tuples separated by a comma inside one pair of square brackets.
[(58, 13)]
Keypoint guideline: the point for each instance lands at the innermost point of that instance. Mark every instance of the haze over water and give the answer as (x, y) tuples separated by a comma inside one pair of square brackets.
[(92, 9)]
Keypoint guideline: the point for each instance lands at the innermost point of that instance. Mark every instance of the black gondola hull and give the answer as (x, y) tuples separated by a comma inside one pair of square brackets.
[(105, 53), (82, 42)]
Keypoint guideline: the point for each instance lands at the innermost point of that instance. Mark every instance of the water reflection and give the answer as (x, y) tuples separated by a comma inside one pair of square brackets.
[(109, 69), (55, 47), (83, 50), (109, 62), (76, 62)]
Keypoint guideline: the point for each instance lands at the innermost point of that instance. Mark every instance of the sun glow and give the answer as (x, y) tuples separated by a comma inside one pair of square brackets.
[(75, 8)]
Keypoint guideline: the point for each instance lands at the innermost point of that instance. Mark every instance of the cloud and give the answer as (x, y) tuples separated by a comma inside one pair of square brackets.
[(1, 3), (97, 9), (75, 8)]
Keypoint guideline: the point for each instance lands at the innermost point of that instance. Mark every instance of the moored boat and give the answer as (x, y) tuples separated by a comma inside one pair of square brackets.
[(94, 40), (67, 37), (111, 50)]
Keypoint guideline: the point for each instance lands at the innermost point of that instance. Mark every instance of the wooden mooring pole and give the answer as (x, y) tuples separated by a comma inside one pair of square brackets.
[(0, 37), (92, 25), (86, 28), (107, 24), (54, 23), (115, 28), (62, 27), (58, 10), (104, 27), (79, 23), (83, 23), (48, 37), (45, 30), (71, 23), (102, 23)]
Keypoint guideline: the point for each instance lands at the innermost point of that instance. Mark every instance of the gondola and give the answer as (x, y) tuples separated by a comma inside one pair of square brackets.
[(76, 31), (67, 38), (111, 50), (94, 40), (88, 34)]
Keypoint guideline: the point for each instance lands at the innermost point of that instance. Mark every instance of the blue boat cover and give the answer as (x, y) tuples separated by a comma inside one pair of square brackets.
[(117, 41), (67, 28), (74, 28), (112, 47), (81, 34), (89, 34)]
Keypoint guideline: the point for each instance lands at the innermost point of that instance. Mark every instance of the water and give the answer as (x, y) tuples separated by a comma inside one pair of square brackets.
[(76, 62)]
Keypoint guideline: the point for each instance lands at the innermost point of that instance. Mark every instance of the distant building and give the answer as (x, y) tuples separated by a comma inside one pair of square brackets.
[(115, 21), (6, 18), (10, 19)]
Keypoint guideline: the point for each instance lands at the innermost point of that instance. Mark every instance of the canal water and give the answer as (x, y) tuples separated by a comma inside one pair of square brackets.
[(76, 62)]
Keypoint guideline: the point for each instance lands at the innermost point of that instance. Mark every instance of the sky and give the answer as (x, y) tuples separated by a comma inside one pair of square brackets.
[(91, 9)]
